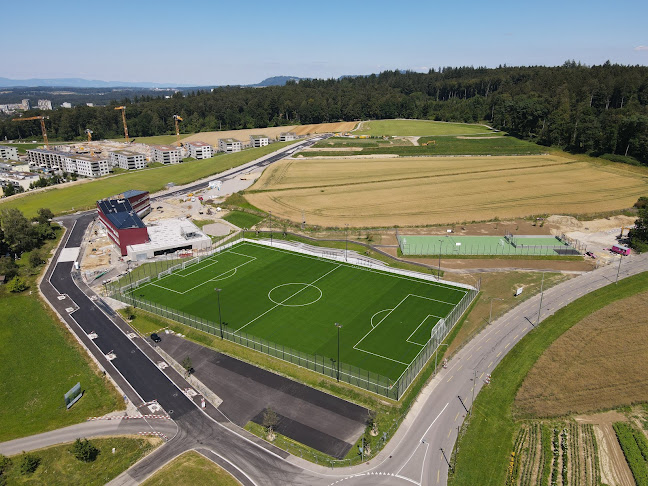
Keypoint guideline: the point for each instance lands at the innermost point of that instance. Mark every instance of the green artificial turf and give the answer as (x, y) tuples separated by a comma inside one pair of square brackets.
[(294, 300)]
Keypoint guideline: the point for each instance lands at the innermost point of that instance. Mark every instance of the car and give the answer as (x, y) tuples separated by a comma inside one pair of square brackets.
[(156, 338)]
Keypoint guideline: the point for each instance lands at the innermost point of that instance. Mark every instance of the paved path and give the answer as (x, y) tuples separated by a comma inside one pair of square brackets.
[(94, 428)]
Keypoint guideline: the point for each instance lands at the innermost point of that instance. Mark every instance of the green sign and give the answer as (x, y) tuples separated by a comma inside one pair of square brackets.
[(73, 395)]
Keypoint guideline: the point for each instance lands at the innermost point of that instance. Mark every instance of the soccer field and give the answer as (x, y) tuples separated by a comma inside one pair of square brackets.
[(294, 300)]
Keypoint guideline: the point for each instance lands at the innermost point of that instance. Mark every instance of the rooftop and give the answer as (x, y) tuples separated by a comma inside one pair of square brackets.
[(229, 140), (257, 137), (198, 144), (165, 148), (126, 152), (168, 233), (132, 193), (120, 213)]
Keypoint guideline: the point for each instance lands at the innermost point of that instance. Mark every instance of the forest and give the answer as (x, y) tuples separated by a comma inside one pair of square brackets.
[(590, 109)]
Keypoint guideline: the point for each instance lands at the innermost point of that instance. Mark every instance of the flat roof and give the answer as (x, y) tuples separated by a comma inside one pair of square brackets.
[(258, 136), (126, 152), (228, 140), (132, 193), (170, 233), (165, 148), (198, 144)]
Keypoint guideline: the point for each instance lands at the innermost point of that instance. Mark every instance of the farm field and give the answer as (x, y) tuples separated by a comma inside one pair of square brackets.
[(597, 364), (419, 128), (448, 145), (425, 191), (294, 300), (484, 449), (84, 194)]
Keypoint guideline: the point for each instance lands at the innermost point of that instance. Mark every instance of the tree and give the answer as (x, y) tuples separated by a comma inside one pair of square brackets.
[(186, 364), (8, 267), (17, 284), (270, 421), (44, 215), (29, 463), (84, 450), (639, 234), (129, 312), (36, 258), (44, 231), (18, 231), (8, 190)]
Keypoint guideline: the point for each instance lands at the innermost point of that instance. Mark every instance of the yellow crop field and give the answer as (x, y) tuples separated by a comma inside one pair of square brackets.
[(323, 128), (437, 190)]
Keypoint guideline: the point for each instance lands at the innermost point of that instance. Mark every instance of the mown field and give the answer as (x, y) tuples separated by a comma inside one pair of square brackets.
[(484, 450), (242, 219), (419, 128), (487, 145), (191, 468), (425, 191), (598, 364), (84, 195)]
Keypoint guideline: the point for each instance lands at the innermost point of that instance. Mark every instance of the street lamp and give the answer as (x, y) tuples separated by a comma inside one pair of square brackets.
[(436, 354), (270, 228), (490, 314), (130, 279), (220, 320), (346, 241), (339, 326), (439, 273)]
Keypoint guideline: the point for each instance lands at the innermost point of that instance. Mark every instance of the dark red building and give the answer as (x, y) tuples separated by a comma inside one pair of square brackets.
[(122, 221)]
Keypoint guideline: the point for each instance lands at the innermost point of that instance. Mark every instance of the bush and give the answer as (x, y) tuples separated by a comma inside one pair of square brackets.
[(84, 450), (29, 463), (5, 464), (36, 258), (8, 267), (17, 284), (129, 312)]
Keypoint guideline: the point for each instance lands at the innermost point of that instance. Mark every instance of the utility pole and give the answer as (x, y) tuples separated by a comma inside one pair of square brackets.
[(618, 269), (439, 274), (339, 326), (346, 240), (270, 228), (541, 296)]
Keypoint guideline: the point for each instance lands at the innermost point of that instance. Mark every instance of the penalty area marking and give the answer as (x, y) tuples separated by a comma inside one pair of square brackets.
[(379, 312)]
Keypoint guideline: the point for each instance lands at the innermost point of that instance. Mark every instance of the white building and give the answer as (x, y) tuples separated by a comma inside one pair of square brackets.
[(229, 145), (46, 159), (8, 153), (87, 166), (66, 104), (44, 105), (259, 141), (167, 236), (166, 154), (199, 150), (17, 179), (127, 159), (287, 136)]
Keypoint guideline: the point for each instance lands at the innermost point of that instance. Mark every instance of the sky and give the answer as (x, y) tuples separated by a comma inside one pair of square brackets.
[(207, 43)]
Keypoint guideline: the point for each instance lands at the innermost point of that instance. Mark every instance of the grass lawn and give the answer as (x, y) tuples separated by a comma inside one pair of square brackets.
[(84, 195), (293, 299), (59, 467), (39, 363), (499, 145), (484, 450), (191, 468), (419, 128), (243, 219)]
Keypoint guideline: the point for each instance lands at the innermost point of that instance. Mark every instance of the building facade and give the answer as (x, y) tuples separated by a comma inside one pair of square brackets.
[(8, 153), (199, 150), (166, 154), (44, 105), (123, 226), (259, 141), (229, 145), (287, 136), (127, 159)]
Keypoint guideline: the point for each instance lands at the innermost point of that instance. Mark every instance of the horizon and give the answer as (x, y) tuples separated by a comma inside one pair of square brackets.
[(308, 41)]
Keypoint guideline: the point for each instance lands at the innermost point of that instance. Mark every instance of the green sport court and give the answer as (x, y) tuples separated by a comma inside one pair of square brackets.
[(484, 245), (294, 300)]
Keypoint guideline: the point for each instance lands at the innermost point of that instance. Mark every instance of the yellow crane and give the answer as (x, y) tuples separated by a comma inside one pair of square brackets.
[(123, 110), (42, 122), (177, 118)]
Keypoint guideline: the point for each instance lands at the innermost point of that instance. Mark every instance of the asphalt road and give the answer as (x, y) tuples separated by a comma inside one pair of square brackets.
[(414, 455)]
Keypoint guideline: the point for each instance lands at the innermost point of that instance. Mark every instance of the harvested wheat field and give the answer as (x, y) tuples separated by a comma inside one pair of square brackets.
[(434, 190), (599, 363), (324, 128), (242, 135)]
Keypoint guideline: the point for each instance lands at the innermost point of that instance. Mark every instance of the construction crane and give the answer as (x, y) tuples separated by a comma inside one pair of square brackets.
[(123, 109), (42, 122), (177, 118)]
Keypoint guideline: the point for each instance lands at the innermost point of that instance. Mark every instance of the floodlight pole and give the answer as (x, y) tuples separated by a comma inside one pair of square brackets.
[(439, 273), (541, 296), (220, 320), (346, 241), (130, 279), (618, 269), (270, 228), (339, 326)]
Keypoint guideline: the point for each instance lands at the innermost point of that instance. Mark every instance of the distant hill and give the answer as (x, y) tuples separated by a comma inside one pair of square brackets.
[(275, 81)]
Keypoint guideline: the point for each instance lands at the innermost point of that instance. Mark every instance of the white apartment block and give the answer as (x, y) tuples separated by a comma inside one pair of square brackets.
[(287, 136), (166, 154), (127, 159), (74, 164), (92, 166), (66, 104), (8, 153), (229, 145), (199, 150), (44, 105), (259, 141), (46, 159), (17, 179)]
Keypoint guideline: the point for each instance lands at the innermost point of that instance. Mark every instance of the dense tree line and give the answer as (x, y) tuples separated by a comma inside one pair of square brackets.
[(595, 109)]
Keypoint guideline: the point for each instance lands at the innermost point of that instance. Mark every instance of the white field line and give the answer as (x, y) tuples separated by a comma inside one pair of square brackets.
[(288, 298), (358, 267), (380, 321), (417, 328), (381, 356)]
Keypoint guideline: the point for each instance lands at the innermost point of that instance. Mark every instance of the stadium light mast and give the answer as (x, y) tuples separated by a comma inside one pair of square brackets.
[(346, 240), (220, 320), (339, 326), (440, 245), (270, 228)]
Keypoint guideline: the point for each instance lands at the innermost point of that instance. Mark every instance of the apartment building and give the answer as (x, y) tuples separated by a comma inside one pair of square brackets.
[(199, 150), (166, 154), (8, 153), (229, 145), (259, 141), (127, 159), (287, 136)]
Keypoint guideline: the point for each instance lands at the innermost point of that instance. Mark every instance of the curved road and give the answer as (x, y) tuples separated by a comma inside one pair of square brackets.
[(415, 455)]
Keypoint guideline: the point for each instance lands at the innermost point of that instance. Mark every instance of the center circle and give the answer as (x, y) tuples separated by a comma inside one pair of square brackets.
[(295, 294)]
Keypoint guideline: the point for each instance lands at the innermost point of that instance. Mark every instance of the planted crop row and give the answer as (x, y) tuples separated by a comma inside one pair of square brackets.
[(632, 452), (565, 457), (555, 450), (514, 464), (545, 455), (530, 467), (574, 456)]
